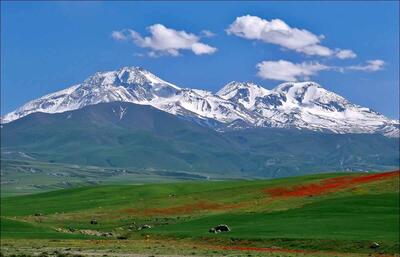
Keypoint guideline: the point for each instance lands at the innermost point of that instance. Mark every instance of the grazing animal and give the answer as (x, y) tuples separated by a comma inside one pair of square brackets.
[(220, 228)]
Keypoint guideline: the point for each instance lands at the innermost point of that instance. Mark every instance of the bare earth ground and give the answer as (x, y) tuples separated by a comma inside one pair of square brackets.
[(151, 248)]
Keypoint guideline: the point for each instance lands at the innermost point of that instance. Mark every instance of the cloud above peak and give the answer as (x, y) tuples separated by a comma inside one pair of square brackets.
[(287, 71), (207, 33), (345, 54), (165, 41), (277, 32), (119, 35), (371, 66), (283, 70)]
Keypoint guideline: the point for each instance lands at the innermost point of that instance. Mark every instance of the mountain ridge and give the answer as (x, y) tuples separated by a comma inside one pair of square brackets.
[(300, 105), (123, 135)]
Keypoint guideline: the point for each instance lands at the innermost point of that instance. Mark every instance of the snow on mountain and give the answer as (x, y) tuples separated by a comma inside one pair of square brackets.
[(303, 105), (136, 85), (203, 104), (243, 93), (307, 105)]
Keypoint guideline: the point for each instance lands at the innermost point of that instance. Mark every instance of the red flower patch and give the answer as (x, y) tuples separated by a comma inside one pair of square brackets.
[(329, 185)]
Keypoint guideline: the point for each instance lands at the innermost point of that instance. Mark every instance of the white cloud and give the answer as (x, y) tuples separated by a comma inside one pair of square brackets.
[(207, 33), (345, 54), (277, 32), (287, 71), (371, 65), (200, 48), (317, 50), (165, 41), (118, 35)]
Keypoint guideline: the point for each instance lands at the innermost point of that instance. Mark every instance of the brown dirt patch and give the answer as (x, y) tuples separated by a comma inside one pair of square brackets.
[(263, 249), (183, 209)]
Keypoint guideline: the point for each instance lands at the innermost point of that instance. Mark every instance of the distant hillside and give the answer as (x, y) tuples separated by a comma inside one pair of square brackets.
[(141, 137)]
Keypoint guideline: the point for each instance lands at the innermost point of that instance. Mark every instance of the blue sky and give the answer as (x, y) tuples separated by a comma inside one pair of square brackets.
[(48, 46)]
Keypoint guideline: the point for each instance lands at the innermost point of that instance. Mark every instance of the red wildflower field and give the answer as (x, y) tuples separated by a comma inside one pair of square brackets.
[(329, 185)]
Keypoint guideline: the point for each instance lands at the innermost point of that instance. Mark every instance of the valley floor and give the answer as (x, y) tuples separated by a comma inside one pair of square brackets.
[(319, 215)]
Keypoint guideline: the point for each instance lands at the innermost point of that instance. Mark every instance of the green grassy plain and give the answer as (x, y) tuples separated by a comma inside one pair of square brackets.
[(343, 221)]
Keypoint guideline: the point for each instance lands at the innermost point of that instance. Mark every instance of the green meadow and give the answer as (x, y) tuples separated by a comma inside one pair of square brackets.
[(344, 220)]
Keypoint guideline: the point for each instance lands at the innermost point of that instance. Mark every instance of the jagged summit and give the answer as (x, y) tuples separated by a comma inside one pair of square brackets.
[(127, 76), (304, 105), (304, 84), (244, 93), (235, 85)]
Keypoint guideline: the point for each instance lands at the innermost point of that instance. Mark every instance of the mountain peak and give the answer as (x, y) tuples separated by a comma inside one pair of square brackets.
[(299, 85), (308, 91), (126, 76), (237, 84), (242, 92)]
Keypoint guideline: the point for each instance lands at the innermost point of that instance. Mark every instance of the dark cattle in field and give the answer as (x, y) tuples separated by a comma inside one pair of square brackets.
[(220, 228)]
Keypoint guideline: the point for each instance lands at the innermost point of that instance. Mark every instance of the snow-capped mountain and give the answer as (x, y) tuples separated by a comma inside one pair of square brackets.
[(307, 105), (136, 85), (304, 105)]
